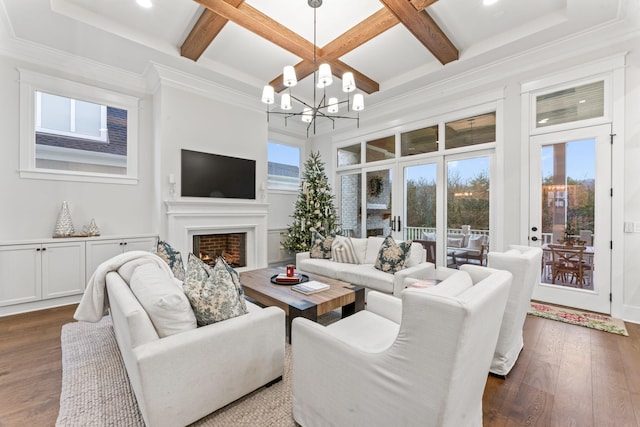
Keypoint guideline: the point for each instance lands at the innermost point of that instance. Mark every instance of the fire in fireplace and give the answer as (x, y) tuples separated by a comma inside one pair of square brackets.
[(230, 246)]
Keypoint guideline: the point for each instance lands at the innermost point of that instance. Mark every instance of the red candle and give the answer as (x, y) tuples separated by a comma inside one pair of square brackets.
[(290, 270)]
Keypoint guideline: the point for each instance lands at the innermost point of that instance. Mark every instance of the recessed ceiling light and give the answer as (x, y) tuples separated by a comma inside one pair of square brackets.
[(582, 101), (144, 3), (489, 2)]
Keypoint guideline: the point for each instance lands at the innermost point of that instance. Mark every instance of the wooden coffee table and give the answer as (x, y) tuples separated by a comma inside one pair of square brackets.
[(257, 286)]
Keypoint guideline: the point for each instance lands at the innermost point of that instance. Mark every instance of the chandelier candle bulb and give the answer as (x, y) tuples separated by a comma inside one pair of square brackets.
[(285, 102), (325, 78), (268, 96), (333, 105), (289, 76), (307, 115), (358, 102), (348, 82)]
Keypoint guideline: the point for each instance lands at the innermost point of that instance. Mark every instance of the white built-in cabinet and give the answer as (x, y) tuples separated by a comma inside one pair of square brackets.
[(52, 272), (101, 250)]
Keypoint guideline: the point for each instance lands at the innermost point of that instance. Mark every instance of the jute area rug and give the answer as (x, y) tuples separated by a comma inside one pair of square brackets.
[(96, 390), (588, 319)]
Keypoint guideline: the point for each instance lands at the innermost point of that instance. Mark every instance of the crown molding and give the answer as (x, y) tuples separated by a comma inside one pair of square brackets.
[(157, 75), (84, 70)]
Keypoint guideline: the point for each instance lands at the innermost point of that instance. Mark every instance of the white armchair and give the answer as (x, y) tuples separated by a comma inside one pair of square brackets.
[(524, 263), (421, 360)]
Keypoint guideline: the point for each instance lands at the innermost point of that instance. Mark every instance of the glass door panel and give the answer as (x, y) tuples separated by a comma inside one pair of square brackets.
[(351, 204), (570, 216), (380, 220), (420, 202), (468, 210)]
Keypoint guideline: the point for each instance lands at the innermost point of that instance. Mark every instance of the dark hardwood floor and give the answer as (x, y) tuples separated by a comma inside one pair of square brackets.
[(566, 375)]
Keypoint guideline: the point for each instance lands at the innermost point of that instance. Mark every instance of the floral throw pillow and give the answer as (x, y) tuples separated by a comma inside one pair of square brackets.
[(321, 246), (172, 257), (392, 255), (212, 292)]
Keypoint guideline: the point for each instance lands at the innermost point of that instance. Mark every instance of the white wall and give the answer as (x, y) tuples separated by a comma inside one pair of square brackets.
[(29, 207), (202, 123)]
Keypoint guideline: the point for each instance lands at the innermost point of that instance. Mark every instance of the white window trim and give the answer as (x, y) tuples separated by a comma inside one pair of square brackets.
[(30, 82)]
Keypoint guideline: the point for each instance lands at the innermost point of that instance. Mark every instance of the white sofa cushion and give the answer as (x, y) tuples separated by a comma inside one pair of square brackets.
[(415, 255), (452, 286), (165, 303), (366, 331), (373, 248), (369, 276), (360, 247), (212, 292)]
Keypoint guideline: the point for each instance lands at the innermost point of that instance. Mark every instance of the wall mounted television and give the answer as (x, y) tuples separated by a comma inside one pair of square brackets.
[(214, 175)]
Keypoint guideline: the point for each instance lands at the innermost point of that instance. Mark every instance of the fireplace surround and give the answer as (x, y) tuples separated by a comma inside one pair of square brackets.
[(189, 218)]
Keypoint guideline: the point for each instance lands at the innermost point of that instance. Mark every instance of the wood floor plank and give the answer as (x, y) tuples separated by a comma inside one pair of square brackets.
[(573, 394), (612, 403)]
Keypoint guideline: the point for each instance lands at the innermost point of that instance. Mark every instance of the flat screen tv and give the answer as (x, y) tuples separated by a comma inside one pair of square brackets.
[(214, 175)]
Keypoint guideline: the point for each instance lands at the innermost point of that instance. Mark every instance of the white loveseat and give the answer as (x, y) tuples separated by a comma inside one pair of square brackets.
[(364, 272), (182, 377)]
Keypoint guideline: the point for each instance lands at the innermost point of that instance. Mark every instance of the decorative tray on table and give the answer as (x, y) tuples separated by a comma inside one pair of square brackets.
[(283, 279)]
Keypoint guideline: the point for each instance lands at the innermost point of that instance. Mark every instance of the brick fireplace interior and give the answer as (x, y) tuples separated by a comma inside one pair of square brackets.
[(231, 246)]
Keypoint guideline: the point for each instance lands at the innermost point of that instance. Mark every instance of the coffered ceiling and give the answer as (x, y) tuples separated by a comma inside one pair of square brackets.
[(394, 46)]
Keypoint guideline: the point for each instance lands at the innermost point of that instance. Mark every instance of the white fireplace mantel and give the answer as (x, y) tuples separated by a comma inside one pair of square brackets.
[(186, 218)]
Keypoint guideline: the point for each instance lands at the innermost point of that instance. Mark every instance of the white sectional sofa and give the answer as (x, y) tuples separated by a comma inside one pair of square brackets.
[(364, 272), (182, 377)]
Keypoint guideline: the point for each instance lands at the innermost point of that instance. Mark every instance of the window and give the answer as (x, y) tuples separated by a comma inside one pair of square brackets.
[(381, 149), (470, 131), (59, 115), (349, 155), (419, 141), (71, 131), (570, 105), (283, 166)]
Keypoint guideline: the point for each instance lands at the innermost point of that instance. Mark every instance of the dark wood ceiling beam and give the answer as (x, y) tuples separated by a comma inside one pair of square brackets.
[(203, 32), (422, 4), (260, 24), (355, 37), (424, 28)]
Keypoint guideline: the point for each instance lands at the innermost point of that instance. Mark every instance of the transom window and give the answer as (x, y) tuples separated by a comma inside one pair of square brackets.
[(64, 116)]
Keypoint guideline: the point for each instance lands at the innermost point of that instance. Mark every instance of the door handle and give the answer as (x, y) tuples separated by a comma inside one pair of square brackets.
[(399, 224), (393, 224)]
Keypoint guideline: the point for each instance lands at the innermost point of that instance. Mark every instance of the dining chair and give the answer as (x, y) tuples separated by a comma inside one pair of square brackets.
[(568, 264)]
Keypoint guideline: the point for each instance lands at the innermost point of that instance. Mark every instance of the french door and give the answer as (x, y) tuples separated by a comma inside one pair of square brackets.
[(445, 196), (570, 212), (367, 205)]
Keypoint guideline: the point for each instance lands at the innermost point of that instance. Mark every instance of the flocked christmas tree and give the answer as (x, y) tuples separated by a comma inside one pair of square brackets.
[(314, 207)]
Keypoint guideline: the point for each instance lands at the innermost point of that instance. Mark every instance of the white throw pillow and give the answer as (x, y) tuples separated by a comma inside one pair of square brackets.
[(373, 247), (455, 242), (165, 302), (429, 236), (476, 242)]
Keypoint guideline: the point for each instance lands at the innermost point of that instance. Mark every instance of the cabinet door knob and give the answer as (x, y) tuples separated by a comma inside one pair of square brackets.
[(44, 249), (37, 249)]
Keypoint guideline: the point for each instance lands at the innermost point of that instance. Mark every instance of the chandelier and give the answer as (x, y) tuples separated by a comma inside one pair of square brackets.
[(325, 108)]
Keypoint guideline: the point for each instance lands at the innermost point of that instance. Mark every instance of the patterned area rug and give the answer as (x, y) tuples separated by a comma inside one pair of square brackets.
[(96, 390), (597, 321)]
